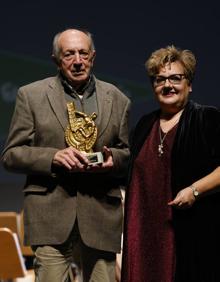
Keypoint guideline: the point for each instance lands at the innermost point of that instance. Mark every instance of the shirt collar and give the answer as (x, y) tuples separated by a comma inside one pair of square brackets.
[(86, 89)]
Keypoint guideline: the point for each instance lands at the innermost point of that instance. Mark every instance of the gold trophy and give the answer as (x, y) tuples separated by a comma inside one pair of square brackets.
[(81, 133)]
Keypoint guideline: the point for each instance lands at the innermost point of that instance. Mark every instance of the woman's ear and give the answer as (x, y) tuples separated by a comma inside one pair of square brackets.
[(190, 88)]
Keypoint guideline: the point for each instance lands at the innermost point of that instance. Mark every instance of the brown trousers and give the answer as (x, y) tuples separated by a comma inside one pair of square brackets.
[(55, 263)]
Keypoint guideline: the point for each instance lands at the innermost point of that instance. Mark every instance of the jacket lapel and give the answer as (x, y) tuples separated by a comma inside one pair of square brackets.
[(104, 101), (57, 101)]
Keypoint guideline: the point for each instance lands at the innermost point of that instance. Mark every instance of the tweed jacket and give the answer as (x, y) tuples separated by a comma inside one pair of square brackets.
[(52, 202)]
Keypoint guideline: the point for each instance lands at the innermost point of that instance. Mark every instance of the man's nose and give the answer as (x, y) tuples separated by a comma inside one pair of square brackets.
[(78, 59)]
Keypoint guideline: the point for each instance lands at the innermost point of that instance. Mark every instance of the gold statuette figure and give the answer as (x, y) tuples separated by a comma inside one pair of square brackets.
[(81, 133)]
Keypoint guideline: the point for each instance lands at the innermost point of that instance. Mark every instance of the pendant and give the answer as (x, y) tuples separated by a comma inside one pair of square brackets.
[(160, 149)]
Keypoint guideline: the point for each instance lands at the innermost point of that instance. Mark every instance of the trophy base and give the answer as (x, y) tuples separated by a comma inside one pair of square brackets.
[(95, 158)]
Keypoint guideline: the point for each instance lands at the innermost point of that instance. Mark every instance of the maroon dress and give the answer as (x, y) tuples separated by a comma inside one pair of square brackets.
[(150, 254)]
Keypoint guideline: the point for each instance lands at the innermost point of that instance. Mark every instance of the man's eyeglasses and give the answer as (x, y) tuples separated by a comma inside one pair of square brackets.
[(175, 79)]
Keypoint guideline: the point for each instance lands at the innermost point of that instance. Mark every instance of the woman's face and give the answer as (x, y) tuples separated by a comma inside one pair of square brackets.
[(171, 87)]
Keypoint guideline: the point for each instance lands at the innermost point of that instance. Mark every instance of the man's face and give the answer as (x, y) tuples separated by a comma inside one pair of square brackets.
[(76, 56)]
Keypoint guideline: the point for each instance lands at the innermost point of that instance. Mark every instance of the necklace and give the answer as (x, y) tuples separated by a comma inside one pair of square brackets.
[(160, 146)]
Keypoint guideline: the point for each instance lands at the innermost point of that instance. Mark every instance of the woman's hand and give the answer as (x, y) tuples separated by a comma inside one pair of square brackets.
[(184, 199)]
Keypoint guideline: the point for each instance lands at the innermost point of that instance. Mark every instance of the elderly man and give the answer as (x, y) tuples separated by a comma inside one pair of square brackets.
[(71, 201)]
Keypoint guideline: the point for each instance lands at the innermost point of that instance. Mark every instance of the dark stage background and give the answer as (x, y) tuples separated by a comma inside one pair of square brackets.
[(125, 35)]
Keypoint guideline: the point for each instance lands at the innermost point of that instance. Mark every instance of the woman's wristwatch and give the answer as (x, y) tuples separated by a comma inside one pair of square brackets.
[(195, 191)]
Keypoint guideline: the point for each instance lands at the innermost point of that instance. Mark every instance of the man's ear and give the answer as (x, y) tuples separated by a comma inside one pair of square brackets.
[(55, 59), (93, 56)]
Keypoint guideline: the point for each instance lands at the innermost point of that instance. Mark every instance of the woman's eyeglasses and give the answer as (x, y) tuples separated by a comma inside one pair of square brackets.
[(175, 79)]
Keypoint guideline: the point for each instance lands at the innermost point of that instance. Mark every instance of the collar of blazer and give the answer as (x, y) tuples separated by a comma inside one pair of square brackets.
[(56, 97)]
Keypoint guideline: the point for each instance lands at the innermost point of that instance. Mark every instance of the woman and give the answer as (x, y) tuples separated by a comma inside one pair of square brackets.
[(172, 226)]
